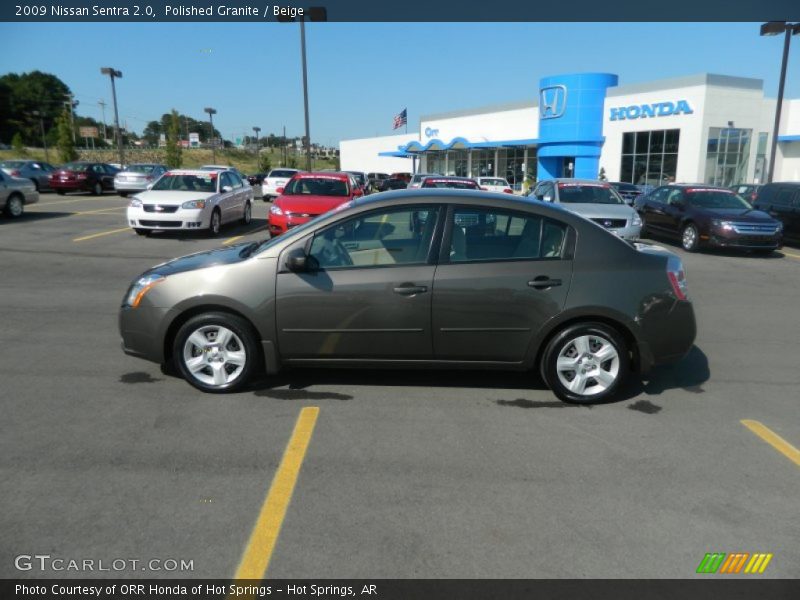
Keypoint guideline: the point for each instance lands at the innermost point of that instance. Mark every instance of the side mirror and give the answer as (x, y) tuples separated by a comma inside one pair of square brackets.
[(227, 188), (297, 261), (358, 192), (279, 190)]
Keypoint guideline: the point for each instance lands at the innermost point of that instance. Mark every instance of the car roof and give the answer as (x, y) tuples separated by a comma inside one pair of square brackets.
[(200, 172), (577, 181), (328, 174)]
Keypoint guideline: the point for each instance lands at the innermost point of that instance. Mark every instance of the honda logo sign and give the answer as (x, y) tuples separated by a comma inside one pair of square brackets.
[(552, 101)]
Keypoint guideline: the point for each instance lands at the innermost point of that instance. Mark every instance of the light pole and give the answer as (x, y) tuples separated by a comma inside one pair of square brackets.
[(318, 13), (211, 112), (788, 29), (113, 74), (38, 114), (257, 130)]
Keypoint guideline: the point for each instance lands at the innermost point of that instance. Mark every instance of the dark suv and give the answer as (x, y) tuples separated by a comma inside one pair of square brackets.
[(782, 201), (703, 215)]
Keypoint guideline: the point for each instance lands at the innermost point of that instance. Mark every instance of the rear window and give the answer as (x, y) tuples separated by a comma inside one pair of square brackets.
[(280, 173), (76, 167), (486, 181), (626, 187), (140, 168), (575, 193), (316, 186), (455, 184)]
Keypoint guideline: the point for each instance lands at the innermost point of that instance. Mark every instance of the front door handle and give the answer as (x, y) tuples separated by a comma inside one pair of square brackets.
[(410, 290), (543, 282)]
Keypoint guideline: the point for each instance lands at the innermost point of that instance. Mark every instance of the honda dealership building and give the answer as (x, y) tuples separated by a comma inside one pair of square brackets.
[(701, 128)]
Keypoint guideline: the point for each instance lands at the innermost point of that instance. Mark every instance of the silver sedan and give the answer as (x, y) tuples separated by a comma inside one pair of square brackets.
[(15, 193)]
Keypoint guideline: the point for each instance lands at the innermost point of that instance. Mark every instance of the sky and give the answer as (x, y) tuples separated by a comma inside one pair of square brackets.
[(361, 74)]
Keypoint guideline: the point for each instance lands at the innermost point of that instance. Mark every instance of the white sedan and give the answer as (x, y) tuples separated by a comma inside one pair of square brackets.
[(494, 184), (193, 200)]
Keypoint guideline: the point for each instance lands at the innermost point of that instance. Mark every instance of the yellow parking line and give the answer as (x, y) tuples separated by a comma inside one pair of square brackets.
[(259, 549), (99, 210), (785, 253), (101, 234), (238, 237), (774, 440)]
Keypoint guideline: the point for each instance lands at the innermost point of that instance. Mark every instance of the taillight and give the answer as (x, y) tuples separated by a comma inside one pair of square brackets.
[(677, 278), (508, 191), (15, 173), (81, 176)]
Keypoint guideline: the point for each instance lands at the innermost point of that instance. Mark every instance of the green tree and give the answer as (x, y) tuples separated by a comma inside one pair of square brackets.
[(21, 94), (264, 163), (16, 143), (292, 162), (602, 175), (174, 157), (66, 147)]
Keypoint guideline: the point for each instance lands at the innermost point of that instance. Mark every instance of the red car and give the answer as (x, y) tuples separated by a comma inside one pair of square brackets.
[(83, 176), (308, 195)]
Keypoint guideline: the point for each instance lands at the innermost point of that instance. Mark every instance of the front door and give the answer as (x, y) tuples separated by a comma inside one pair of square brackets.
[(506, 275), (370, 296)]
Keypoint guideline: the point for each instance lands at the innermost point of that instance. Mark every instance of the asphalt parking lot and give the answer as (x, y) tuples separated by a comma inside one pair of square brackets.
[(398, 474)]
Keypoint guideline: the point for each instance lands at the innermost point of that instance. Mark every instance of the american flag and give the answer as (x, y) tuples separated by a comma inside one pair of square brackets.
[(400, 120)]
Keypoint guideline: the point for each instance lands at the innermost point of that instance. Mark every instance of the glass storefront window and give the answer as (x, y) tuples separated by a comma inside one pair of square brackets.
[(727, 155), (649, 157)]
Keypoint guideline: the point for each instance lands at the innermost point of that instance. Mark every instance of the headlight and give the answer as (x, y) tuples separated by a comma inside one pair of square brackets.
[(779, 228), (135, 203), (275, 210), (637, 220), (139, 288), (723, 225), (194, 204)]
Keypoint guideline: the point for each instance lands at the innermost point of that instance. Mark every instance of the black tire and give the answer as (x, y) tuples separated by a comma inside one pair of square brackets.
[(61, 192), (36, 184), (123, 194), (143, 232), (248, 213), (690, 238), (643, 231), (215, 223), (15, 206), (243, 339), (97, 189), (565, 345)]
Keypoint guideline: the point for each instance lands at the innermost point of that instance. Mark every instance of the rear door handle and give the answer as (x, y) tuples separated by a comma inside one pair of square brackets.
[(410, 290), (542, 282)]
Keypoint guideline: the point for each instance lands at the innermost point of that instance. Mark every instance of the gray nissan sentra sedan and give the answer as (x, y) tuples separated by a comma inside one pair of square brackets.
[(423, 278)]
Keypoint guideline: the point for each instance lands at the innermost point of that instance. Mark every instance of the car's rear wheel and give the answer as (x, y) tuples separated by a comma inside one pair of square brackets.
[(248, 213), (97, 189), (14, 206), (586, 363), (60, 192), (690, 238), (215, 224), (216, 352)]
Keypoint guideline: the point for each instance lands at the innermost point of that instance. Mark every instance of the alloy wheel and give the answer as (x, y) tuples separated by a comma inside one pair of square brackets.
[(214, 355), (588, 365)]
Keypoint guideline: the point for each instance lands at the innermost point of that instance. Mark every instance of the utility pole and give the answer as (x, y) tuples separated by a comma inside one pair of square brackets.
[(102, 105), (70, 102), (211, 112), (112, 73)]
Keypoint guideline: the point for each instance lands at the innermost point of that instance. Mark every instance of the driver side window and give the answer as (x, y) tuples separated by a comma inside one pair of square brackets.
[(379, 239)]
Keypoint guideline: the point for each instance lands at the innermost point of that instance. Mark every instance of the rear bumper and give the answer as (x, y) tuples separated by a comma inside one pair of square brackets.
[(71, 186), (668, 329), (131, 186)]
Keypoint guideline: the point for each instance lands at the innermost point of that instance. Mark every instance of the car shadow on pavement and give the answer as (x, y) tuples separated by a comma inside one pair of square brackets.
[(28, 217), (689, 374), (228, 231)]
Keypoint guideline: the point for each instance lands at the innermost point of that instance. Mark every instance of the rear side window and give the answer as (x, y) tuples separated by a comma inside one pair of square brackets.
[(480, 235), (783, 197)]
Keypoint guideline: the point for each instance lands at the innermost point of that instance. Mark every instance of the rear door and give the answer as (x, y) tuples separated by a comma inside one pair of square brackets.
[(502, 275), (653, 209), (370, 298)]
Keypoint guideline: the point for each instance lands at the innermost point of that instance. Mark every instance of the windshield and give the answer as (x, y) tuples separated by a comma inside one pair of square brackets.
[(359, 177), (485, 181), (716, 199), (578, 193), (316, 186), (12, 164), (140, 168), (286, 174), (187, 183), (455, 184)]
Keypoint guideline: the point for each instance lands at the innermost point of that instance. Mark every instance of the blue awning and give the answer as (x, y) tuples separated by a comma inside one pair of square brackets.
[(458, 143), (789, 138)]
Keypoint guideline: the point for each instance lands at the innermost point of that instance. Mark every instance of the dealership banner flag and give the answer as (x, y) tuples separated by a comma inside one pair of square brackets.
[(400, 119)]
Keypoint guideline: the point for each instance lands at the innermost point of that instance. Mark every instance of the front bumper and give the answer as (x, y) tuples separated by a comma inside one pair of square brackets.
[(183, 218), (743, 241), (631, 233), (142, 332), (280, 224)]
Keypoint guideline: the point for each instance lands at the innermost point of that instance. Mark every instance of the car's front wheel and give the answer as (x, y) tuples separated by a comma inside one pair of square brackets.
[(216, 352), (248, 213), (14, 206), (215, 224), (586, 363), (690, 238), (97, 189)]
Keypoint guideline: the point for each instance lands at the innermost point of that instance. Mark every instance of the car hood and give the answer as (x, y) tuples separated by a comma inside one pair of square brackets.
[(740, 214), (169, 198), (314, 205), (600, 211), (201, 260)]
